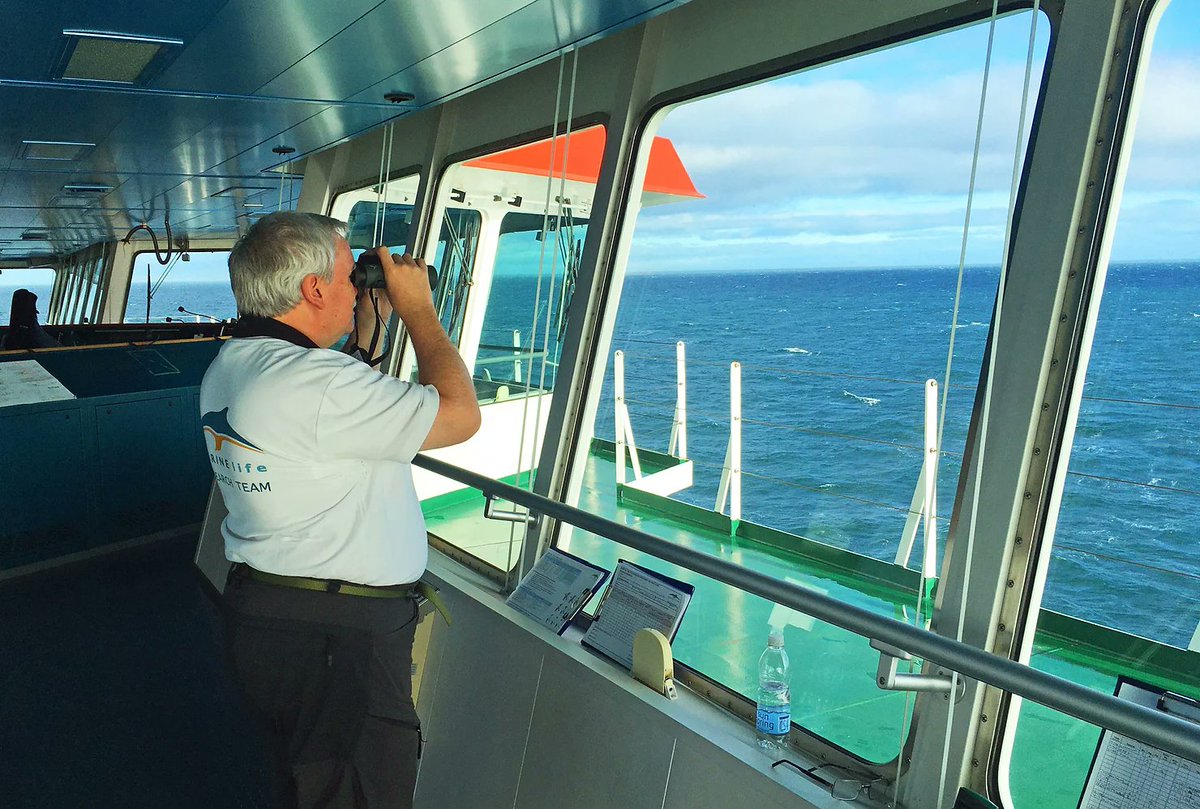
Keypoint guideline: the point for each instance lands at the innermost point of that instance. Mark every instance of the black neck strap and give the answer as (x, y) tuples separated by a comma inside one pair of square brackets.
[(255, 326)]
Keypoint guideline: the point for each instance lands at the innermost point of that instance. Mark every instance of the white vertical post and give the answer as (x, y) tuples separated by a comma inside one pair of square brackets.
[(516, 356), (678, 443), (924, 499), (730, 487), (735, 444), (929, 568), (618, 411), (624, 427)]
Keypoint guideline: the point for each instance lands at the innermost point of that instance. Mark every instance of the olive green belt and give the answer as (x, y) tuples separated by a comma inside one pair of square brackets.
[(410, 590), (332, 585)]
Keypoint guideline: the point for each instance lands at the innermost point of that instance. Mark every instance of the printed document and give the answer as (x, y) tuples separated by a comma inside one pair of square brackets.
[(27, 382), (636, 599), (1128, 774)]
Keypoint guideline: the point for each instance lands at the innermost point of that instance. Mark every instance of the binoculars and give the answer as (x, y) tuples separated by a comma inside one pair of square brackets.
[(368, 273)]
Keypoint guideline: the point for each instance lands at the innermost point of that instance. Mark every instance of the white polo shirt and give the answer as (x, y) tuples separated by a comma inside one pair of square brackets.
[(311, 452)]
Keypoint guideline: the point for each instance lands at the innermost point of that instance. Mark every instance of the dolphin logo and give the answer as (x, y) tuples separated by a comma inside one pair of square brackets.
[(216, 424)]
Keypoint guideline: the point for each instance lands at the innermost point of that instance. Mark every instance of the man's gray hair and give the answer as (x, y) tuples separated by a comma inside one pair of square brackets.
[(267, 265)]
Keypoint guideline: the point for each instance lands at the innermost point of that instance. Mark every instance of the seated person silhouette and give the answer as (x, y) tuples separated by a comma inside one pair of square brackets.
[(23, 328)]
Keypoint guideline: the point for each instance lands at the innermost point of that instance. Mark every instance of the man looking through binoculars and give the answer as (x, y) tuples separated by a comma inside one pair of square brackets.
[(311, 450)]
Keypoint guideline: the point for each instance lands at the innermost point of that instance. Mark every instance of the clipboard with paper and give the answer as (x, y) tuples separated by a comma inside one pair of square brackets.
[(1129, 773), (557, 587), (637, 598)]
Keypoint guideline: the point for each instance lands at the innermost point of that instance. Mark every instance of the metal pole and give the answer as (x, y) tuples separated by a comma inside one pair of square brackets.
[(1155, 728), (929, 568), (735, 446), (517, 356), (618, 407), (678, 443)]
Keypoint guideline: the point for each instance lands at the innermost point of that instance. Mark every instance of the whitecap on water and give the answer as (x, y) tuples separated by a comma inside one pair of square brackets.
[(797, 350), (867, 400)]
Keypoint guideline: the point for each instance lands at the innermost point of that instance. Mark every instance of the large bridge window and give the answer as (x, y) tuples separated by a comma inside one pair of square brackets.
[(38, 281), (199, 284), (797, 253), (384, 215), (522, 212), (1120, 593)]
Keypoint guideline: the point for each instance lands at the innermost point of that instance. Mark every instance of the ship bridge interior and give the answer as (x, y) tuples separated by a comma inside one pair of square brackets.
[(816, 309)]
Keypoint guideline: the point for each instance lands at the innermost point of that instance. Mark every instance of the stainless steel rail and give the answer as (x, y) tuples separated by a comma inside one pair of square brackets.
[(1144, 724)]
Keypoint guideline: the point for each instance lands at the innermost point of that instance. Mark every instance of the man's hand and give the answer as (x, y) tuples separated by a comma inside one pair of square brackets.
[(371, 314), (407, 285), (438, 361)]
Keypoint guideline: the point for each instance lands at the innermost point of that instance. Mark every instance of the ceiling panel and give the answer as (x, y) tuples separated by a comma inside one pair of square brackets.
[(469, 62), (391, 38), (195, 129), (518, 39), (277, 34)]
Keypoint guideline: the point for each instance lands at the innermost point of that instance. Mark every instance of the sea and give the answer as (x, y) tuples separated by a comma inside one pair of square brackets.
[(834, 365)]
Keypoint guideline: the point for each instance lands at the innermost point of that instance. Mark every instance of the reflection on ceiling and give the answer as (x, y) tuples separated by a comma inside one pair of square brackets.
[(118, 113)]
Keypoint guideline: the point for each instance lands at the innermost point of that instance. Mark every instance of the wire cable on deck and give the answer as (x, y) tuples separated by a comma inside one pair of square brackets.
[(799, 372), (814, 489), (1136, 483), (1174, 405), (962, 258), (1131, 562)]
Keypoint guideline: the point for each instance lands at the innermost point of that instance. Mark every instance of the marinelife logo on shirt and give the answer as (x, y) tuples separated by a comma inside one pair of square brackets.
[(216, 426)]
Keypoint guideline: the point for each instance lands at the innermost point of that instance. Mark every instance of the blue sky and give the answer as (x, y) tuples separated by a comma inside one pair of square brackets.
[(866, 162)]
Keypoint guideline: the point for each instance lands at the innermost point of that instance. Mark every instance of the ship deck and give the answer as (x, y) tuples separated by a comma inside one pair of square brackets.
[(833, 681)]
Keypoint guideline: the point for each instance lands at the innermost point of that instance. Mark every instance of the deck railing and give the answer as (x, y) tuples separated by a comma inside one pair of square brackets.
[(1143, 724)]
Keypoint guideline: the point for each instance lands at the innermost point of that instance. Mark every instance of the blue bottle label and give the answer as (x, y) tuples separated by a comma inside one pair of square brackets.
[(774, 720)]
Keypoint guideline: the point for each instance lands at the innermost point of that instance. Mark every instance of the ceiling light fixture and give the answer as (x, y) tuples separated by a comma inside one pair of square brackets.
[(111, 56), (87, 189), (242, 190), (53, 149)]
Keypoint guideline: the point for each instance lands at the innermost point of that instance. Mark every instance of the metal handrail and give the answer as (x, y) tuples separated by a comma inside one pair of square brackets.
[(1155, 728), (513, 356)]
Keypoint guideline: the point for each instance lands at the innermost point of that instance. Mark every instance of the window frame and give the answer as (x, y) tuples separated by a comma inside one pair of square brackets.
[(648, 120), (150, 251), (429, 243), (1064, 397)]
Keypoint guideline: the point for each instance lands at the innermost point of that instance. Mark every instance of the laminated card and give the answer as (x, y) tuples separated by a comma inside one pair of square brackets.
[(556, 589)]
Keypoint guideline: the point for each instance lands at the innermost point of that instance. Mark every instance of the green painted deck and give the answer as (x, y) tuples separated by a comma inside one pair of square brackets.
[(833, 686)]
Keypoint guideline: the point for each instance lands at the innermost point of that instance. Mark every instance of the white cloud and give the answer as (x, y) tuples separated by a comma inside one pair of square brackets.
[(822, 170)]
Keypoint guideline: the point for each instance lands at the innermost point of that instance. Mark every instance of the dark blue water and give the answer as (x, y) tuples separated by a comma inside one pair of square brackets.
[(833, 366), (833, 363)]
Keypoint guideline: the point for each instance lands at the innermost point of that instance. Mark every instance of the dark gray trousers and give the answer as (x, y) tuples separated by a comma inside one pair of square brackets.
[(330, 678)]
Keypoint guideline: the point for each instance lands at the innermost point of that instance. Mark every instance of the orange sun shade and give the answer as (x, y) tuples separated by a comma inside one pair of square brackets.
[(582, 152)]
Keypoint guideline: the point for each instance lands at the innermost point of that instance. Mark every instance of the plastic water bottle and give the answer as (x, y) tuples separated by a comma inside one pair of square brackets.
[(774, 718)]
